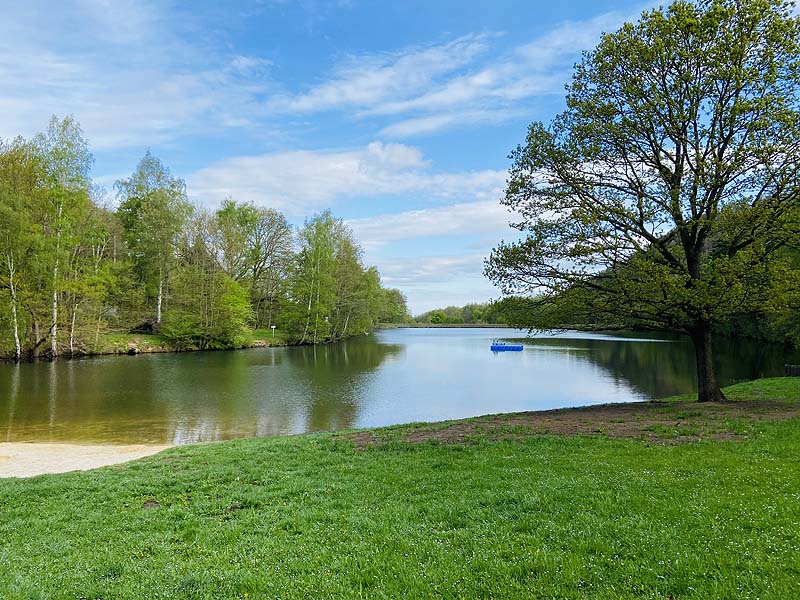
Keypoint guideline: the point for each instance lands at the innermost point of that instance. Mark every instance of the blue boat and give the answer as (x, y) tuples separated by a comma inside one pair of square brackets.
[(498, 346)]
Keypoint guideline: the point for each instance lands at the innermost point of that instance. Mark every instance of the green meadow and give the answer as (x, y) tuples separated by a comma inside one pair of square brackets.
[(495, 512)]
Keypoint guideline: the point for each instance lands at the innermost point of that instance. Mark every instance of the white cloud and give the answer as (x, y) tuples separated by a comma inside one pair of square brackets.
[(413, 272), (540, 67), (467, 218), (455, 84), (248, 65), (121, 21), (300, 182), (450, 119), (122, 70), (436, 281), (364, 81), (471, 229), (134, 73)]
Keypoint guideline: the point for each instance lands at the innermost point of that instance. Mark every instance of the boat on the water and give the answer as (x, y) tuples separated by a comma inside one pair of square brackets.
[(498, 346)]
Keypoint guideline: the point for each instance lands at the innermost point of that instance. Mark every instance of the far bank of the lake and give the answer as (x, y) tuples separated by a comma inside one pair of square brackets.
[(144, 343), (444, 326), (661, 499), (115, 344)]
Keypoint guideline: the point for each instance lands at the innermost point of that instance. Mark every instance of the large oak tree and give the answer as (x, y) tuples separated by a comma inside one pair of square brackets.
[(666, 191)]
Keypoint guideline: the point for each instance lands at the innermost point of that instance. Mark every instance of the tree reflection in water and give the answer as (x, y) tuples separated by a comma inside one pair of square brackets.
[(664, 366), (390, 377)]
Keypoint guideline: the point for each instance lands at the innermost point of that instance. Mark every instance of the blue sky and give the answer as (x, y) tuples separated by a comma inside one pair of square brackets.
[(398, 116)]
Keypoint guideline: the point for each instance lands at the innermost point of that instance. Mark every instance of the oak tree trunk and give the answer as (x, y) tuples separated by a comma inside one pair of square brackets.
[(708, 389)]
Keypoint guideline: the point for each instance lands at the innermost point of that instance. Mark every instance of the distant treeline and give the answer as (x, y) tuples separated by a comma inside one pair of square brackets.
[(782, 327), (488, 313), (72, 268), (769, 325)]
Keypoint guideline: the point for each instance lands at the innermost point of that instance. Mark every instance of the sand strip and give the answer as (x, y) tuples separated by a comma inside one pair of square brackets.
[(29, 459)]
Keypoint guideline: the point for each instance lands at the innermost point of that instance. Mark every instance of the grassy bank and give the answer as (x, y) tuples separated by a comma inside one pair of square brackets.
[(514, 506), (144, 343)]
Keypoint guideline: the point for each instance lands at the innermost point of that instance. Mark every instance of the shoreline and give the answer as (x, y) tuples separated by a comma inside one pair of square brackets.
[(135, 346), (444, 326), (663, 421), (29, 459)]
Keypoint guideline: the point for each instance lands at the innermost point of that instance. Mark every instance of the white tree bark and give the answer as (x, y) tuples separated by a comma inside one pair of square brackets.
[(346, 321), (308, 308), (14, 321), (158, 304), (54, 327)]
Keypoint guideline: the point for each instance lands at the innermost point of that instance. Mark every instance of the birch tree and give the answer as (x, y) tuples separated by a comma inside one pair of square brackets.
[(68, 163), (18, 180), (153, 210)]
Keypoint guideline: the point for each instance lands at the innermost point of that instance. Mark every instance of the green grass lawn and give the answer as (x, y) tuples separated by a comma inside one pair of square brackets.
[(481, 516), (267, 337), (121, 343)]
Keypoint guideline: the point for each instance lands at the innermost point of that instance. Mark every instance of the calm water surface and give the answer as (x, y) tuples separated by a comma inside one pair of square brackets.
[(392, 376)]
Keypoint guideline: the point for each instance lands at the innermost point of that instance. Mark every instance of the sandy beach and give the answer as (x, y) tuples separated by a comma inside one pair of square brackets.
[(29, 459)]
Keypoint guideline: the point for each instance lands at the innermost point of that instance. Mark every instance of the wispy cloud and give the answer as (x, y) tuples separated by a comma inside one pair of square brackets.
[(468, 230), (133, 76), (436, 281), (122, 70), (465, 218), (304, 181), (121, 22), (416, 126), (369, 80), (454, 84), (429, 269)]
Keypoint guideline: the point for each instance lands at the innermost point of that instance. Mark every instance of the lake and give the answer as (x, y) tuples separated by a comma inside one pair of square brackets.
[(392, 376)]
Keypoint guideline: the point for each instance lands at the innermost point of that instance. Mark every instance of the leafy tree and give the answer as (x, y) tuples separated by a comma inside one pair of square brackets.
[(71, 268), (351, 293), (366, 314), (231, 231), (330, 294), (44, 199), (20, 188), (437, 316), (359, 296), (312, 292), (394, 308), (94, 282), (208, 308), (153, 210), (472, 314), (665, 191), (254, 246), (67, 164)]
